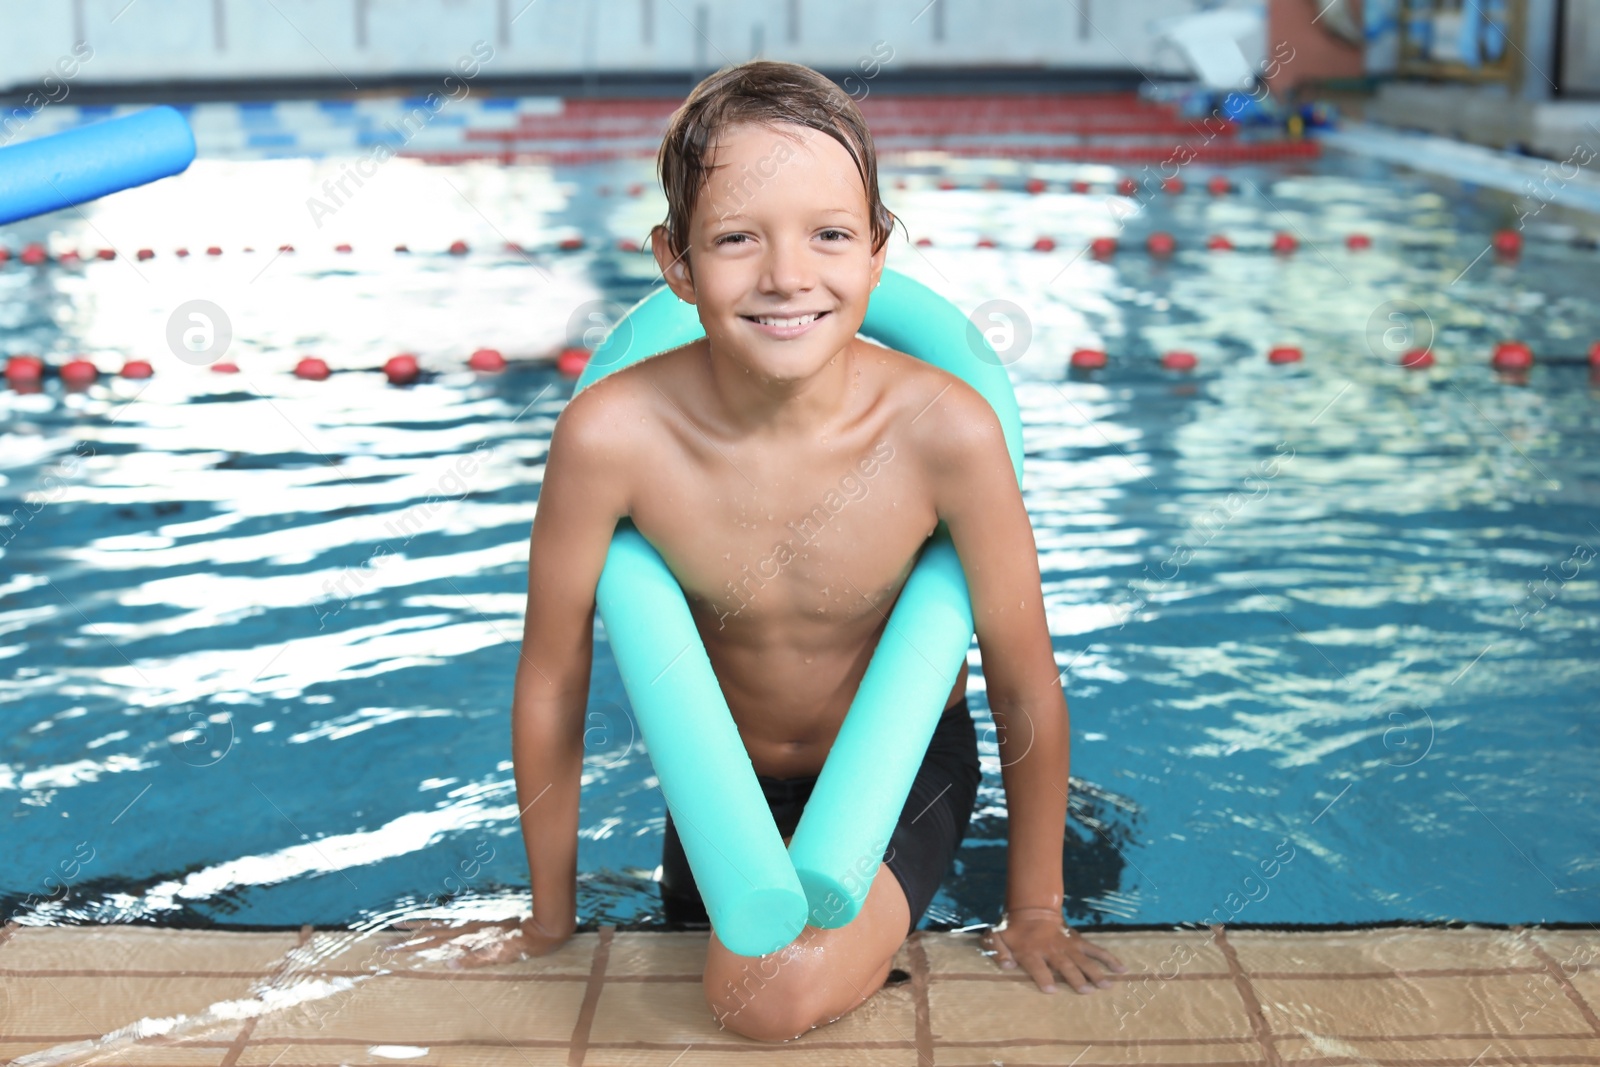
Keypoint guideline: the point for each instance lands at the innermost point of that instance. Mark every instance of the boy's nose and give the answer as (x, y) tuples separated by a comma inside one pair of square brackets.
[(787, 267)]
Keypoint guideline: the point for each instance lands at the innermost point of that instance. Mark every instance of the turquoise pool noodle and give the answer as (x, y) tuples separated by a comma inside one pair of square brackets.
[(71, 167), (729, 837)]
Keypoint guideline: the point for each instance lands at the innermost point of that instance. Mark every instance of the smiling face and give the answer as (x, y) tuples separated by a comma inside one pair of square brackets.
[(780, 251)]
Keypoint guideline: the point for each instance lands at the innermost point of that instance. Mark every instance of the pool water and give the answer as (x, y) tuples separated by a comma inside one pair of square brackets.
[(1329, 628)]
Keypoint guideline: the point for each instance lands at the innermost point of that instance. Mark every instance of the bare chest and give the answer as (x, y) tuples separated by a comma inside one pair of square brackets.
[(768, 542)]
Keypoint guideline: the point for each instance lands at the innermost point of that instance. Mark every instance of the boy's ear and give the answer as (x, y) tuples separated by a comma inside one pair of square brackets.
[(675, 269), (880, 256)]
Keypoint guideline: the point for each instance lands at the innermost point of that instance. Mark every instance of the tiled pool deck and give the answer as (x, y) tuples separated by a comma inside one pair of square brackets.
[(1393, 995)]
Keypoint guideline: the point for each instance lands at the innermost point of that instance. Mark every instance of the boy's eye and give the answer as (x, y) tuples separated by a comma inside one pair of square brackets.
[(740, 238)]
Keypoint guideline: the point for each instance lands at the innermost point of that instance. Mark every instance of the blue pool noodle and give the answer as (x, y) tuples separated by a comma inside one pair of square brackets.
[(77, 165), (758, 897)]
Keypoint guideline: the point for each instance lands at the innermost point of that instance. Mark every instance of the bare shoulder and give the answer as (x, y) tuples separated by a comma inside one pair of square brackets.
[(612, 420), (943, 418)]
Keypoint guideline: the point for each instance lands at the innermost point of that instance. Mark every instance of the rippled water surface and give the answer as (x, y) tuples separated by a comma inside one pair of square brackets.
[(259, 633)]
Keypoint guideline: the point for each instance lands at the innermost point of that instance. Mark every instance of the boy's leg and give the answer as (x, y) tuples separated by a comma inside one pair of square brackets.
[(817, 978), (826, 973)]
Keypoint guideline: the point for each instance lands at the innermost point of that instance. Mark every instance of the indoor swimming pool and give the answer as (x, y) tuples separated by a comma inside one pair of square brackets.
[(1327, 625)]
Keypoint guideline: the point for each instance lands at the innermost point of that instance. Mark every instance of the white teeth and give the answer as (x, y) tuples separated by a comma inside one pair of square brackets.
[(788, 322)]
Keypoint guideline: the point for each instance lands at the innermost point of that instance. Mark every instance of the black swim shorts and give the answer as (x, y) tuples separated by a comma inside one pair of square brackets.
[(924, 841)]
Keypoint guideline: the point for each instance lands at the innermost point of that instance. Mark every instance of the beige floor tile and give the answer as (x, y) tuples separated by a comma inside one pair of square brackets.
[(1587, 985), (142, 948), (333, 1054), (639, 953), (366, 953), (1409, 1006), (1325, 1050), (1180, 952), (1384, 949), (1102, 1054), (1573, 950), (71, 1007), (809, 1051), (675, 1013), (968, 1011), (393, 1010), (133, 1056)]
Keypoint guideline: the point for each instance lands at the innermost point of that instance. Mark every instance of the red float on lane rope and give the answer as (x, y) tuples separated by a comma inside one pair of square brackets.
[(1511, 355), (1594, 354), (1080, 186), (1218, 243), (1088, 359), (1357, 242), (1172, 185), (77, 373), (1417, 359), (1127, 187), (458, 248), (1219, 186), (312, 369), (1284, 354), (1507, 244), (1179, 360), (1161, 243), (571, 361), (1034, 185), (1103, 247), (33, 254), (985, 241), (1284, 243), (137, 368), (401, 369), (487, 359), (24, 370), (1045, 244)]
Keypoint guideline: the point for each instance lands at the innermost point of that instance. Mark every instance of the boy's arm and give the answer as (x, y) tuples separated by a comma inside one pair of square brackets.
[(583, 496), (976, 494)]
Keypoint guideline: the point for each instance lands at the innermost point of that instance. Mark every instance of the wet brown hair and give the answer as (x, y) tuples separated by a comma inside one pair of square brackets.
[(763, 92)]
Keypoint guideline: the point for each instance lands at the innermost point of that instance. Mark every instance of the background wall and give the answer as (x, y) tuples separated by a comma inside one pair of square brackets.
[(349, 40)]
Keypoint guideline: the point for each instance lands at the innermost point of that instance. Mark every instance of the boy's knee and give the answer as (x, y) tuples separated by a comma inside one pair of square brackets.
[(766, 998), (773, 1013)]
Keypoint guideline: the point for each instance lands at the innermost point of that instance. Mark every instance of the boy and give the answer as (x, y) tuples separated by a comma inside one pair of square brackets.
[(720, 451)]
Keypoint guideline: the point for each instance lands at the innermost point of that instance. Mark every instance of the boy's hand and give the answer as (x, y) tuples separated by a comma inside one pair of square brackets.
[(476, 944), (1040, 944)]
